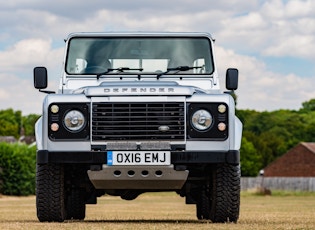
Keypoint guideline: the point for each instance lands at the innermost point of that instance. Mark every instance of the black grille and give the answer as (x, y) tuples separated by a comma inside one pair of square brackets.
[(138, 121)]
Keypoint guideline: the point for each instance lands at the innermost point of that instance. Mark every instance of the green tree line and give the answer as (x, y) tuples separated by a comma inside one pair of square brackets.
[(12, 123)]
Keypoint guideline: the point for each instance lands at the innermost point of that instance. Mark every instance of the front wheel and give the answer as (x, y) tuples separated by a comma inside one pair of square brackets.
[(50, 193), (219, 199)]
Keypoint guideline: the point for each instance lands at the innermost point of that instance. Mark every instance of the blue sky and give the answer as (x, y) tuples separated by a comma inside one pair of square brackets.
[(271, 42)]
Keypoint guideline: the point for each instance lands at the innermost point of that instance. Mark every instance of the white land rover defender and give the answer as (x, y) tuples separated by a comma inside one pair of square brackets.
[(135, 113)]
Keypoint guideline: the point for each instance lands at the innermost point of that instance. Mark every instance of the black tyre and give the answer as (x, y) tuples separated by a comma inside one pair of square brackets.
[(220, 197), (50, 195), (76, 204), (203, 205)]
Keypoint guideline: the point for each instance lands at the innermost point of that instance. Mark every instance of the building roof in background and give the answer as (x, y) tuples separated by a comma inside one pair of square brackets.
[(297, 162), (309, 145)]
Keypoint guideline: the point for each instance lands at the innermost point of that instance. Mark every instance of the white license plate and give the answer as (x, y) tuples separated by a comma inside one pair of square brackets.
[(138, 158)]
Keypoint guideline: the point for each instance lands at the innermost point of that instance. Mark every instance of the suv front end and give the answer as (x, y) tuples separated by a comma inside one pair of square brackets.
[(142, 123)]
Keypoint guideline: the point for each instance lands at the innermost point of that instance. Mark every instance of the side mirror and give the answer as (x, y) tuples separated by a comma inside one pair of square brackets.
[(40, 77), (231, 82)]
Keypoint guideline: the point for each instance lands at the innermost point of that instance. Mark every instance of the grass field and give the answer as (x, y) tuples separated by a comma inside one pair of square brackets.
[(167, 211)]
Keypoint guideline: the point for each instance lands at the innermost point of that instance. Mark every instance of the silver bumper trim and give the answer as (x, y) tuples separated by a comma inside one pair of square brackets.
[(138, 177)]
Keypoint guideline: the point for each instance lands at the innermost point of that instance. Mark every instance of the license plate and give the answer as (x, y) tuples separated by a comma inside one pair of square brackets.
[(138, 158)]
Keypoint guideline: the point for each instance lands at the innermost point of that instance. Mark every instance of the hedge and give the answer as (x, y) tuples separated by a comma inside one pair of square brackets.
[(17, 169)]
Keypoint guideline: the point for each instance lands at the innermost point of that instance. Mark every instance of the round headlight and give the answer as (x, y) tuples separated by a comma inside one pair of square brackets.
[(201, 120), (74, 120)]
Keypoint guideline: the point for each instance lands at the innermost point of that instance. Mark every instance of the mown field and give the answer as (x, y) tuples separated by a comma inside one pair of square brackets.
[(167, 211)]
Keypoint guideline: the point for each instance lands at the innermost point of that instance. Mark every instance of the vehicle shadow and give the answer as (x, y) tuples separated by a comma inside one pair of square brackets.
[(113, 221), (148, 221)]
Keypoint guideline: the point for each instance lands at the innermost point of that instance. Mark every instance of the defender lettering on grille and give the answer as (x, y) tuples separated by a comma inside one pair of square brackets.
[(139, 90)]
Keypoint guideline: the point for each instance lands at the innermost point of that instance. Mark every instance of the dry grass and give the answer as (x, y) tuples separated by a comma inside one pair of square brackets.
[(166, 211)]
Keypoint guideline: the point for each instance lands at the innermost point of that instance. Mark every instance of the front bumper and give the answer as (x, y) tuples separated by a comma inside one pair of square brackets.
[(177, 157)]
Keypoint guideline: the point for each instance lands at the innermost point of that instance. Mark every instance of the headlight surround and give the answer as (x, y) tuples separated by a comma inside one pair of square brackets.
[(207, 121), (68, 121), (201, 120), (74, 120)]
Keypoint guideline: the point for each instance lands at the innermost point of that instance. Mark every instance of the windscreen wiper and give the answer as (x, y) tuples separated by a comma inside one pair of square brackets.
[(120, 70), (178, 69)]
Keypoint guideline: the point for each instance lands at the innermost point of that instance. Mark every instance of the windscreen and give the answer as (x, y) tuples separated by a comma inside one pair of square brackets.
[(134, 55)]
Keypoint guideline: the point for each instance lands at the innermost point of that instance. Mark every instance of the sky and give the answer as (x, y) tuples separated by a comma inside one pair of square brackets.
[(271, 42)]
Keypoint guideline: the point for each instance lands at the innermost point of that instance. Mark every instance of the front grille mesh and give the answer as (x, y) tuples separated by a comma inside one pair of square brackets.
[(138, 121)]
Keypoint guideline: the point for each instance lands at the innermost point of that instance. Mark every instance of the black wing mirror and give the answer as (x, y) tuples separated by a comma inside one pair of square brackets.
[(40, 79), (231, 82)]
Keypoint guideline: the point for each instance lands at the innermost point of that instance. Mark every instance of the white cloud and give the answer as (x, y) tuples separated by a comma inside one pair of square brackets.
[(19, 94), (16, 77), (29, 53), (261, 89), (295, 46), (276, 28), (277, 9)]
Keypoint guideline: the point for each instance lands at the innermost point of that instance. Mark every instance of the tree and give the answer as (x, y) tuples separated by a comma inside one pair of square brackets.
[(10, 122), (29, 123), (309, 105), (250, 159)]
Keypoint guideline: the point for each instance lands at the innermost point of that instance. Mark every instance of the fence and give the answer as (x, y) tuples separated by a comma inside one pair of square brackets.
[(279, 183)]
